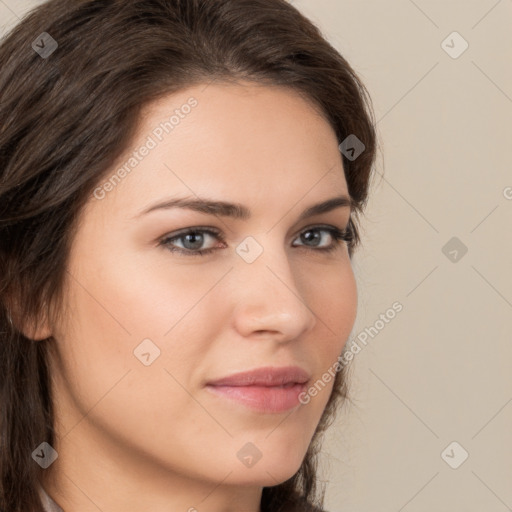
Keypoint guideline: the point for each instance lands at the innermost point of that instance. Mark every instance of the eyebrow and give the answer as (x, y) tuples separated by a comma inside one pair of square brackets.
[(239, 211)]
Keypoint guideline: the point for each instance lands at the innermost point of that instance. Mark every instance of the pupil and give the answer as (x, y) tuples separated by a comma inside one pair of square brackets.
[(195, 239), (315, 236)]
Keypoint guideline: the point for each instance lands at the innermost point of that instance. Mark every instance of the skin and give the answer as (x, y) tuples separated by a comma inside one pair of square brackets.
[(132, 437)]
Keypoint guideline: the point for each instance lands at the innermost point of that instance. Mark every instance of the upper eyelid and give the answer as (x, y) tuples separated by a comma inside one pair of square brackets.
[(218, 233)]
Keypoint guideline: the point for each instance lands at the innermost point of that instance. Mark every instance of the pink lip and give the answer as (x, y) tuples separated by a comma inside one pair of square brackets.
[(267, 389)]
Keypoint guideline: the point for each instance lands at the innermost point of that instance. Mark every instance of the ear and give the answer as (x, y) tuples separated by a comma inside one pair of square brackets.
[(36, 332), (34, 329)]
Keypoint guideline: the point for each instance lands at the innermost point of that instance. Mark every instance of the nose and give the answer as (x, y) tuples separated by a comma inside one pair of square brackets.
[(268, 301)]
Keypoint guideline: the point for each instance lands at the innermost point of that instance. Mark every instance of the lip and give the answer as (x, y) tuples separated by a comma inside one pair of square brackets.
[(267, 389)]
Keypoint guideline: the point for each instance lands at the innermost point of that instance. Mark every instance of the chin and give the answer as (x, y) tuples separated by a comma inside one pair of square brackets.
[(266, 475)]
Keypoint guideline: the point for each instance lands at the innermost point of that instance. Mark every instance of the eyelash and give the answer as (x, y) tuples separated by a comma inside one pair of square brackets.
[(339, 236)]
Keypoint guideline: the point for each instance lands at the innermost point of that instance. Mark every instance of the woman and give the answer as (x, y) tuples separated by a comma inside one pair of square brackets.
[(180, 186)]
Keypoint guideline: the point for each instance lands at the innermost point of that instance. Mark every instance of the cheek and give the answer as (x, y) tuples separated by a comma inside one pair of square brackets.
[(154, 296), (101, 378), (336, 307), (121, 310), (334, 301)]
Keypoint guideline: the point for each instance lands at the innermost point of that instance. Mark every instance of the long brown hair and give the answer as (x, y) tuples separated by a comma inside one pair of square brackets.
[(65, 117)]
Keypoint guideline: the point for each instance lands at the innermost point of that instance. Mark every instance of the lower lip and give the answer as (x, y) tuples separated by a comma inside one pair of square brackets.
[(265, 399)]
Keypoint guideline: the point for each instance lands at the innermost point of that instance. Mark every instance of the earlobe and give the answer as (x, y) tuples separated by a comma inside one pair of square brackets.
[(39, 334), (35, 331)]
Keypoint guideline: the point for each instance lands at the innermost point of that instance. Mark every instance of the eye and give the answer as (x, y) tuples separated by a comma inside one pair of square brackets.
[(192, 240), (315, 236), (312, 239)]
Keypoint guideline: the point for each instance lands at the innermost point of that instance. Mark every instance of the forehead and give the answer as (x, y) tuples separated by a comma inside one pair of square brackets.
[(246, 140)]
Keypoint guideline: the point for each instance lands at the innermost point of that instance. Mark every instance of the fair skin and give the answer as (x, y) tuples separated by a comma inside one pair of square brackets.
[(134, 438)]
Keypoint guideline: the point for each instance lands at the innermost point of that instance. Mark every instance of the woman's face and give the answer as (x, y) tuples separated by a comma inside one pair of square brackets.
[(147, 328)]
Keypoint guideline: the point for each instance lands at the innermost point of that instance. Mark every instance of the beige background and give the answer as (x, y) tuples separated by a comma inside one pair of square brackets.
[(438, 372)]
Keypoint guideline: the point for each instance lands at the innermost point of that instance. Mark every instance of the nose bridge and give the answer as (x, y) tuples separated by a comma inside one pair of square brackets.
[(268, 297)]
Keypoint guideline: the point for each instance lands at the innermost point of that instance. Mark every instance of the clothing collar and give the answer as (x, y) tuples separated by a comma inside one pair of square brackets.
[(48, 504)]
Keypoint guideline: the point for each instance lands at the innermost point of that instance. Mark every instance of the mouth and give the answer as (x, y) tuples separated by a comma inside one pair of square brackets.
[(265, 390)]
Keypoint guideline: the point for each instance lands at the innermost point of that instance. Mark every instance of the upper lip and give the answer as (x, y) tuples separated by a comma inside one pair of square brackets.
[(265, 376)]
